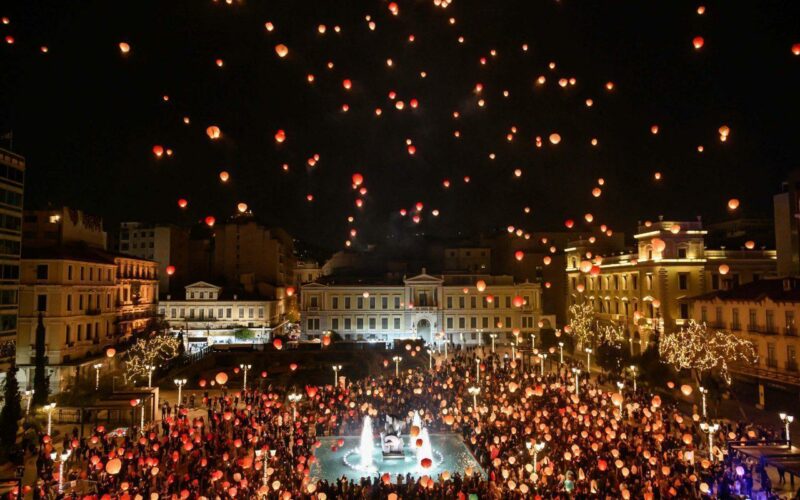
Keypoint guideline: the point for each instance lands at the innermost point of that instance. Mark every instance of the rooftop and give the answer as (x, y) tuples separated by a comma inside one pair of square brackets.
[(775, 289)]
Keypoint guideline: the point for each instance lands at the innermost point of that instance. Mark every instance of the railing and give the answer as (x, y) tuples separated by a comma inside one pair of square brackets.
[(764, 329), (772, 363), (93, 312), (719, 325), (790, 330), (791, 365), (736, 327)]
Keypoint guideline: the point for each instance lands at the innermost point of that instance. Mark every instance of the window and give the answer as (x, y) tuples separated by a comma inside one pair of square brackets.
[(770, 317), (384, 323), (485, 322), (68, 336), (682, 253), (360, 303), (384, 302), (372, 324), (359, 323), (789, 318), (41, 271), (635, 281), (335, 324), (683, 281), (335, 303), (396, 323), (228, 312), (473, 302), (473, 322), (616, 282), (41, 303), (751, 316), (649, 281), (718, 314), (508, 302), (313, 324), (684, 311), (69, 302), (771, 361), (461, 302), (372, 302), (241, 313), (449, 302), (314, 301), (348, 324), (462, 322), (449, 323), (250, 313), (397, 302), (735, 319), (347, 302)]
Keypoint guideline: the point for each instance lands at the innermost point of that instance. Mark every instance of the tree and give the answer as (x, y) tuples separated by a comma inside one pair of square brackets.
[(244, 334), (153, 351), (582, 327), (695, 348), (12, 410), (41, 385)]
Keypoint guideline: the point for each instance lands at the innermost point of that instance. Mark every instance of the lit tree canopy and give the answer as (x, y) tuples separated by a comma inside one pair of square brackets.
[(695, 348), (583, 328), (154, 351)]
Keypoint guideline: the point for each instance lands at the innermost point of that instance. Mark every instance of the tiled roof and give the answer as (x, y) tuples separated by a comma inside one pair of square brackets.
[(775, 289)]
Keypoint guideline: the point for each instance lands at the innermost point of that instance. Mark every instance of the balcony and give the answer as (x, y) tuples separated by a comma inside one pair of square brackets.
[(772, 363), (790, 330), (736, 327), (791, 365), (93, 312), (763, 329), (717, 325)]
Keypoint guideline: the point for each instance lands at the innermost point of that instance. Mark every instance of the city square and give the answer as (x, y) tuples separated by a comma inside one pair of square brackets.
[(439, 249)]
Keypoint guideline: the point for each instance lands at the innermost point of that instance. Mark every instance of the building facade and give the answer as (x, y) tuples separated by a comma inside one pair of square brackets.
[(432, 308), (764, 312), (88, 299), (168, 245), (12, 182), (209, 314), (648, 288), (62, 226)]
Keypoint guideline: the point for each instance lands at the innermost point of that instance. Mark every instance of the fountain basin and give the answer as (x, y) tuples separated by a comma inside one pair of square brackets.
[(449, 454)]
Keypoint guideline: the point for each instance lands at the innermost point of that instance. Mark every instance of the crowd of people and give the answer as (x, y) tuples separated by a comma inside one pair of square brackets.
[(593, 442)]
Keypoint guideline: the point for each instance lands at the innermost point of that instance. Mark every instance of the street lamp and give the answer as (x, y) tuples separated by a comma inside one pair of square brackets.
[(397, 360), (703, 392), (180, 382), (64, 457), (141, 422), (620, 386), (633, 371), (430, 359), (542, 357), (533, 340), (262, 454), (513, 351), (588, 360), (534, 450), (477, 370), (29, 395), (787, 420), (710, 429), (150, 369), (49, 408), (294, 398), (474, 391), (492, 336), (336, 369), (577, 372), (245, 368), (561, 353), (97, 367)]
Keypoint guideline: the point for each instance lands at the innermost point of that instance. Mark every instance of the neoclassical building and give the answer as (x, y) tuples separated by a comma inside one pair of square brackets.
[(424, 306), (649, 287)]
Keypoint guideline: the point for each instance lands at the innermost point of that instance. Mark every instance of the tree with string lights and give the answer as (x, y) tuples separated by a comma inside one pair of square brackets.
[(152, 351), (696, 348)]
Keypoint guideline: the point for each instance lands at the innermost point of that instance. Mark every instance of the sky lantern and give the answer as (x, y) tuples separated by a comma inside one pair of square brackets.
[(733, 204), (114, 466), (221, 378), (242, 207), (277, 344), (124, 47), (111, 352), (282, 50), (358, 179), (210, 220), (213, 132), (480, 285), (224, 176), (547, 260), (170, 270), (569, 223), (347, 84), (686, 389), (596, 192), (519, 255), (555, 138), (658, 244), (280, 136), (796, 49), (749, 244), (654, 129), (518, 301), (724, 269), (158, 150), (183, 203), (698, 42), (657, 176)]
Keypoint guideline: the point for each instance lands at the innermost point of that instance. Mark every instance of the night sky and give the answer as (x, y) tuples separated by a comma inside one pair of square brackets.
[(87, 116)]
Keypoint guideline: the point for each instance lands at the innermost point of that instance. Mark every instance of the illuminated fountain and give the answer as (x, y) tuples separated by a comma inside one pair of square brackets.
[(367, 446)]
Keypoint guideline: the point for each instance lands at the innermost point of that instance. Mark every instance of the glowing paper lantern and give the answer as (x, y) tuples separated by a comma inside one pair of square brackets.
[(111, 352), (519, 255), (698, 42), (221, 378), (213, 132), (242, 207), (170, 270), (750, 244), (158, 150), (290, 291), (224, 176), (686, 389), (358, 179), (480, 285), (733, 204), (280, 136), (277, 344), (555, 138), (426, 463), (724, 269), (124, 47), (282, 50), (183, 203), (210, 220), (114, 466)]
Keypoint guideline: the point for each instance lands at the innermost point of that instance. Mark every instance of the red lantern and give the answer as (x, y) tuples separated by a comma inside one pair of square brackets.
[(158, 151), (698, 42), (277, 344), (293, 366), (210, 221), (569, 223), (110, 352), (183, 203), (426, 463), (114, 466), (358, 179), (519, 255), (221, 378), (170, 270), (290, 291)]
